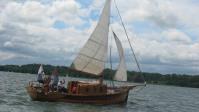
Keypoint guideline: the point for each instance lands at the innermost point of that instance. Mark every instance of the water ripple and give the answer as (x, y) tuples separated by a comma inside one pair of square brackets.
[(153, 98)]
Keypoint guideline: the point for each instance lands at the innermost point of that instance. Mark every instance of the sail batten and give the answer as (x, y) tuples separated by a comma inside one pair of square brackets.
[(121, 74), (92, 56)]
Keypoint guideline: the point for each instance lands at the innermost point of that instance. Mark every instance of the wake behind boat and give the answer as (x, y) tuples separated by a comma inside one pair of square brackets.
[(90, 61)]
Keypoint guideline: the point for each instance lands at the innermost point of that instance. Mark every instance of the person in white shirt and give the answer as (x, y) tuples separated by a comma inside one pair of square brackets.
[(61, 87)]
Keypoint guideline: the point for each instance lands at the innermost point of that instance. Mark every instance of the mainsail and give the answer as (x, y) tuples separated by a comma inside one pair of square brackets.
[(121, 74), (92, 57)]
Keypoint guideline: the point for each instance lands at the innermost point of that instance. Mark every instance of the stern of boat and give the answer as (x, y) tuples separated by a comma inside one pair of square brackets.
[(33, 90)]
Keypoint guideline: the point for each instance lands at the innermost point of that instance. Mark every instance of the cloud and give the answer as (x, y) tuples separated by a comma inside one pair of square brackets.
[(177, 36), (6, 56), (29, 30), (163, 13), (167, 41), (8, 44)]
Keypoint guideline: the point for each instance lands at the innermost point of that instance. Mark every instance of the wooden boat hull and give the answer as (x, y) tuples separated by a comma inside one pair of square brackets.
[(120, 96)]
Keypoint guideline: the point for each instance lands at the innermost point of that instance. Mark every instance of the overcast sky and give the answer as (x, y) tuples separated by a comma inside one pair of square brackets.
[(164, 33)]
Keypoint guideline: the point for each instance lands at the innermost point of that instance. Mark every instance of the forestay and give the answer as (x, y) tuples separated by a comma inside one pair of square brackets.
[(121, 74), (92, 56)]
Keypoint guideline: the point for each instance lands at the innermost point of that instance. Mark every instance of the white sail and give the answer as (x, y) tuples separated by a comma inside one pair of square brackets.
[(121, 74), (41, 70), (91, 58)]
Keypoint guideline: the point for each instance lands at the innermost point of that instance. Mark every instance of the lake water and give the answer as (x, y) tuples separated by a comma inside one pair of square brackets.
[(153, 98)]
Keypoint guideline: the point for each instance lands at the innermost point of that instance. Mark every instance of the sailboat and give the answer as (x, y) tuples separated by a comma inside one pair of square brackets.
[(41, 70), (40, 74), (91, 61)]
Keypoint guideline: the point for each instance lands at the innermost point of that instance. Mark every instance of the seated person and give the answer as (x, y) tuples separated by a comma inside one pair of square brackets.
[(74, 87), (61, 87), (54, 80), (40, 78), (46, 84)]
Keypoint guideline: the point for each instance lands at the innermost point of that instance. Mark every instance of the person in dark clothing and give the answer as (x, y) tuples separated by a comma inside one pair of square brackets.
[(54, 80)]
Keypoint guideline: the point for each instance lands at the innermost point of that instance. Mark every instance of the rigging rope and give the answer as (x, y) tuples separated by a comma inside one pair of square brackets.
[(129, 40)]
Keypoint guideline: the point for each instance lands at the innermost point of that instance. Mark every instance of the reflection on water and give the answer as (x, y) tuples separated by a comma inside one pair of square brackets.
[(153, 98)]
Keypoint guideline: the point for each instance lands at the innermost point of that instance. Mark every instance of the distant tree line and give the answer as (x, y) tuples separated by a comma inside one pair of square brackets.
[(152, 78)]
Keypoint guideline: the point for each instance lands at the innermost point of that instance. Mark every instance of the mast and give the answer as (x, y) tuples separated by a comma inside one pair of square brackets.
[(137, 63), (112, 83)]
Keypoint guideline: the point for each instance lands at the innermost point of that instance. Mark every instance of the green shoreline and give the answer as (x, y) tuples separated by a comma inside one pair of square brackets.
[(152, 78)]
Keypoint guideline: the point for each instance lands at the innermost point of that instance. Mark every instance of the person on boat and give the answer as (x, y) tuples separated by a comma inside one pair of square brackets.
[(74, 87), (61, 87), (40, 75), (54, 79), (40, 79), (46, 84)]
